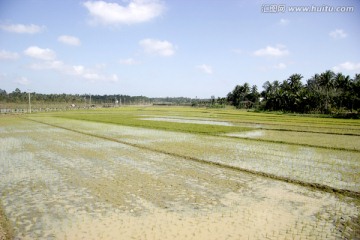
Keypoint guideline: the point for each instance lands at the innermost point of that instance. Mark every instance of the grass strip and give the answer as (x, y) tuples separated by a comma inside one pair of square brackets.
[(318, 186)]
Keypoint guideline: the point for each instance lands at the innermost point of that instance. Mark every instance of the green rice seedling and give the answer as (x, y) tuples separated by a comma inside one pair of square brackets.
[(97, 166)]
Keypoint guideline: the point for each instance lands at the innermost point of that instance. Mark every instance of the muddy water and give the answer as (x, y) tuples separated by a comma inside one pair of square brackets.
[(57, 184)]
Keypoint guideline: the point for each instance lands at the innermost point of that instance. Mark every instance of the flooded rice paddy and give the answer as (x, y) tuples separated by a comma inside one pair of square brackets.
[(105, 181)]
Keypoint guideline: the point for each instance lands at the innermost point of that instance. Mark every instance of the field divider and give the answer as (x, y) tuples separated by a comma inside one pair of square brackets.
[(318, 186), (308, 131), (288, 143)]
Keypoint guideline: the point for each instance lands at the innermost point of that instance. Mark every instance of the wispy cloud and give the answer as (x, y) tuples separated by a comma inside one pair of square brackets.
[(48, 61), (157, 47), (280, 66), (89, 73), (128, 61), (21, 28), (338, 34), (277, 51), (284, 22), (237, 50), (69, 40), (22, 81), (6, 55), (137, 11), (350, 66), (205, 68), (40, 53)]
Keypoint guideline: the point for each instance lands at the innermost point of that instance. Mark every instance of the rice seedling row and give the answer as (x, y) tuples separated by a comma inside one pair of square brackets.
[(102, 181), (338, 170)]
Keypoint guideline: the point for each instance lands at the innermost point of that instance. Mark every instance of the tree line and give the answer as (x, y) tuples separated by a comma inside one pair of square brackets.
[(19, 97), (327, 92)]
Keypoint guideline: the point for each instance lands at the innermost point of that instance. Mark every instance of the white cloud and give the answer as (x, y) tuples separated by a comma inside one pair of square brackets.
[(284, 22), (205, 68), (277, 51), (129, 61), (22, 81), (280, 66), (6, 55), (21, 28), (350, 66), (69, 40), (40, 53), (49, 62), (157, 47), (92, 74), (136, 11), (338, 34)]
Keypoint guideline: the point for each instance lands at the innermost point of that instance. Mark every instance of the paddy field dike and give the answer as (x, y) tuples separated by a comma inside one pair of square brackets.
[(178, 173)]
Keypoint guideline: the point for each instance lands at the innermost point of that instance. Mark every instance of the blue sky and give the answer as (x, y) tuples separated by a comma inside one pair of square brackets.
[(160, 48)]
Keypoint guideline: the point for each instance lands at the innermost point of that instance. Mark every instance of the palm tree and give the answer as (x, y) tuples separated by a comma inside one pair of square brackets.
[(355, 92), (342, 84), (295, 82), (294, 86), (327, 83)]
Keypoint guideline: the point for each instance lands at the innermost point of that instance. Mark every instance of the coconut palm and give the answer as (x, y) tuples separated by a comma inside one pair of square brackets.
[(327, 83)]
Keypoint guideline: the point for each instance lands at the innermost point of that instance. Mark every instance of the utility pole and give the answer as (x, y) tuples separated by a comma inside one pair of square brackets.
[(29, 103), (90, 100)]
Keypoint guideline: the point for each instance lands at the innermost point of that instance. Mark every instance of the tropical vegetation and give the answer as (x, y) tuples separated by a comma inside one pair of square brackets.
[(327, 92)]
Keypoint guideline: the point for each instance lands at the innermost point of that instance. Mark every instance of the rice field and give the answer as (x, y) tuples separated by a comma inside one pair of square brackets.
[(178, 173)]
